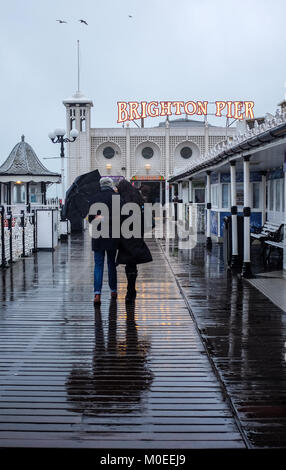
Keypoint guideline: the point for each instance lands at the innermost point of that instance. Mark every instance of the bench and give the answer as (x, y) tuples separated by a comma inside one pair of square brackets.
[(268, 230), (274, 242)]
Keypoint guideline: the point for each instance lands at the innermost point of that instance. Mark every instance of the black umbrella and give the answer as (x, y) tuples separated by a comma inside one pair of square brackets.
[(79, 194)]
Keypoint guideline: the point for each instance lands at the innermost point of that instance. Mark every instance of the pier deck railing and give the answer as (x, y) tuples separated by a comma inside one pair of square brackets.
[(18, 231)]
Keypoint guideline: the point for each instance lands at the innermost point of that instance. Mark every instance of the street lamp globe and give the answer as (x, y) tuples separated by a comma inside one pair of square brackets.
[(59, 137), (52, 135), (60, 132), (74, 133)]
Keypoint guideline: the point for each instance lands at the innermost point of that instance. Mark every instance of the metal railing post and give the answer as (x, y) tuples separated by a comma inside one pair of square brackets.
[(2, 212), (34, 229), (23, 232), (9, 217)]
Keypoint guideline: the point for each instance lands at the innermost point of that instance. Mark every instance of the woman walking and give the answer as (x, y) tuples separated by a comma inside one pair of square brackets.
[(132, 251), (102, 245)]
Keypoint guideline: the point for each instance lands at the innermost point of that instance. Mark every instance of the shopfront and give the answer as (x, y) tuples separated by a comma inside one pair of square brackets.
[(152, 188)]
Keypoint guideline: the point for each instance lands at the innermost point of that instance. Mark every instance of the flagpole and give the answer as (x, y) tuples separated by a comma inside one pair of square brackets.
[(78, 70)]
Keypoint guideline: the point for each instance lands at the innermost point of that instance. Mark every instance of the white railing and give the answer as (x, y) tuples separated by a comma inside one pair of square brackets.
[(18, 230), (17, 235)]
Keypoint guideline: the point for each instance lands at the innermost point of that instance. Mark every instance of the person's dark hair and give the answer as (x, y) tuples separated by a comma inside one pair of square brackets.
[(129, 193)]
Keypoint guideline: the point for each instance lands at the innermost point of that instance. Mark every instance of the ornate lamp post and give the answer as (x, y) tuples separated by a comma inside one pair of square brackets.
[(58, 137)]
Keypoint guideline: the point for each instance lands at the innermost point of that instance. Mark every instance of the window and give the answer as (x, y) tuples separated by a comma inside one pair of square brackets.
[(283, 195), (224, 196), (108, 152), (214, 193), (82, 120), (19, 194), (186, 152), (72, 118), (35, 196), (271, 195), (82, 125), (147, 152), (239, 194), (199, 195), (255, 195), (277, 195), (5, 193)]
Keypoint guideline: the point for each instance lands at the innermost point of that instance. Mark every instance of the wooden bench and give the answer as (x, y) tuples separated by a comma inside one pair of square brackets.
[(272, 245), (268, 230), (270, 237)]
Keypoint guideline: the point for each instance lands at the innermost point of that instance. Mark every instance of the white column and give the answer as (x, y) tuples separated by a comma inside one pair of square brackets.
[(263, 198), (190, 190), (234, 258), (246, 270), (208, 228), (180, 190), (128, 159), (89, 157), (87, 118), (190, 200), (69, 160), (206, 129), (77, 143), (172, 188), (167, 163), (161, 192), (77, 117)]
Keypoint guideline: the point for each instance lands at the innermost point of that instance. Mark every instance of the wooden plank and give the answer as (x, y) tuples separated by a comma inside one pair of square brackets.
[(71, 376), (245, 334)]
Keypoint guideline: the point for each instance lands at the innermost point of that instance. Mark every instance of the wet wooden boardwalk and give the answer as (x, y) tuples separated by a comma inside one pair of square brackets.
[(72, 376), (245, 334)]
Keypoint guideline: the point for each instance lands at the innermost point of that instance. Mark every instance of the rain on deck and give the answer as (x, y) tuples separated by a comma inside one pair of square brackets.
[(245, 334), (75, 376)]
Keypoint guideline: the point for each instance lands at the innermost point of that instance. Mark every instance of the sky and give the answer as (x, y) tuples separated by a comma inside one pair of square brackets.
[(169, 50)]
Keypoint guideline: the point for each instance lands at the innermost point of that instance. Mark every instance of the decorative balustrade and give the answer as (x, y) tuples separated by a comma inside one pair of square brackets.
[(17, 235), (18, 230)]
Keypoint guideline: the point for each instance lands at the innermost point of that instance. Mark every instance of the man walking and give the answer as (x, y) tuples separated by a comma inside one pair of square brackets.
[(101, 244)]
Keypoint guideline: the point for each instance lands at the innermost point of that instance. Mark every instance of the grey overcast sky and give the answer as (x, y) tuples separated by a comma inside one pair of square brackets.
[(168, 50)]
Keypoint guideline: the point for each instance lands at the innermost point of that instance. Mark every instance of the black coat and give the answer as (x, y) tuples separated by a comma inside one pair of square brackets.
[(133, 250), (100, 243)]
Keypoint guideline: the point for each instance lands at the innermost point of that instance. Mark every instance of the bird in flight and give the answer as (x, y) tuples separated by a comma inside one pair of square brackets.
[(84, 22), (61, 21), (130, 16)]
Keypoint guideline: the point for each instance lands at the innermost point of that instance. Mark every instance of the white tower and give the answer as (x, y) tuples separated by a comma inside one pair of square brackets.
[(78, 117)]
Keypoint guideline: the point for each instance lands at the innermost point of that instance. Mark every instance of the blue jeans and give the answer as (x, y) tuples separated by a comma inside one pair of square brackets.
[(98, 270)]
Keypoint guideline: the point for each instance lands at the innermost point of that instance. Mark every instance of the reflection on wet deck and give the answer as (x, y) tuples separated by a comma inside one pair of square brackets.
[(73, 376), (246, 336)]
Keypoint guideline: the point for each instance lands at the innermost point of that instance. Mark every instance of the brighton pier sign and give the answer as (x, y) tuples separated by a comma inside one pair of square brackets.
[(130, 110)]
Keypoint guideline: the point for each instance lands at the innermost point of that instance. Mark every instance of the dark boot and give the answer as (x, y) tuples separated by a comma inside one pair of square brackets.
[(131, 274)]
